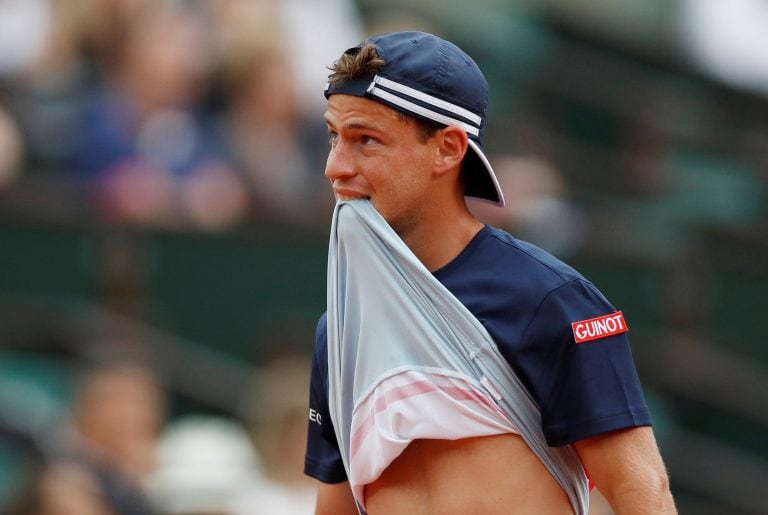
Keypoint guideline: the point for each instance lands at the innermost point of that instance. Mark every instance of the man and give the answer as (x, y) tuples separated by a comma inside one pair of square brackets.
[(405, 115)]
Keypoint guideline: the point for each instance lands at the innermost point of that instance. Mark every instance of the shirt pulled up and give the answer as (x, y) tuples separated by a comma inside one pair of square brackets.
[(407, 360)]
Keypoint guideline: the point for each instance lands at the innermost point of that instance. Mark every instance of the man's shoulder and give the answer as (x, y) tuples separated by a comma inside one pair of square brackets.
[(505, 279), (518, 263), (531, 255)]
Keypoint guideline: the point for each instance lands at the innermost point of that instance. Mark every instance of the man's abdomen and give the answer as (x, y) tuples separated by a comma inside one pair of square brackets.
[(485, 475)]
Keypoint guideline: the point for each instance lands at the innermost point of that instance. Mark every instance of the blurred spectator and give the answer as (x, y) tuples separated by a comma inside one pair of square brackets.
[(304, 31), (204, 462), (277, 408), (153, 79), (117, 416), (146, 142), (263, 129), (273, 102), (537, 207), (96, 457)]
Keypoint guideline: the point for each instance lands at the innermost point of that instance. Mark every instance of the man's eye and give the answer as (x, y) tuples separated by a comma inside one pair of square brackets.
[(367, 140), (332, 138)]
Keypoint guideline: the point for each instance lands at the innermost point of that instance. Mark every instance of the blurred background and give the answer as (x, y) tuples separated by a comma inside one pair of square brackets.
[(164, 216)]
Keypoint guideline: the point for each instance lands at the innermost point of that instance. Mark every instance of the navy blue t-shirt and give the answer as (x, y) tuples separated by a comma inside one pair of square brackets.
[(527, 300)]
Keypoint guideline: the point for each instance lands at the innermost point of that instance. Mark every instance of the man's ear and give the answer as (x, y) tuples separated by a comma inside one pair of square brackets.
[(451, 146)]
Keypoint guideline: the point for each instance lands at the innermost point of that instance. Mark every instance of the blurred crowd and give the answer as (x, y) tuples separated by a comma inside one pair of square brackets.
[(114, 448), (171, 113), (207, 115), (203, 115)]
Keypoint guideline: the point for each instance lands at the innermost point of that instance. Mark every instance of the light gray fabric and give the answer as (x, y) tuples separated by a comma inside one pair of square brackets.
[(386, 310)]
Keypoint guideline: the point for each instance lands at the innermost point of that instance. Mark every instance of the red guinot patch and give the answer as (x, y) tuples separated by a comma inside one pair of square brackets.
[(599, 327)]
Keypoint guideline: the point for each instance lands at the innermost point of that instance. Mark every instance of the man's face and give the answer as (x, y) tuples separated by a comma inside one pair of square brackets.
[(378, 155)]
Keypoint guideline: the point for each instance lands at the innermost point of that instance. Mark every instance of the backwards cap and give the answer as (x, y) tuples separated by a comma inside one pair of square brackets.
[(432, 79)]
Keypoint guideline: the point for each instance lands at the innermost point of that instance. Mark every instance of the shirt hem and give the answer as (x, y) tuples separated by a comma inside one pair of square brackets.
[(578, 432)]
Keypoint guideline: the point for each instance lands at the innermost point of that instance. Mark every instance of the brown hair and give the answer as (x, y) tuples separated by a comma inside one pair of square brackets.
[(364, 63), (357, 63)]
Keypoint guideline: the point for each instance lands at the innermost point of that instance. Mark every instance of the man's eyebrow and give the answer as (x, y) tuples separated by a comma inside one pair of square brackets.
[(354, 125), (361, 125)]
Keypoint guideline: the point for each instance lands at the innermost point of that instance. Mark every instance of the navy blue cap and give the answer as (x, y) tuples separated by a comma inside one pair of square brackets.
[(432, 79)]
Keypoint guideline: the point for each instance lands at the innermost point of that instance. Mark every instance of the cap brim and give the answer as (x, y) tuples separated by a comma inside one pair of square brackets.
[(481, 179)]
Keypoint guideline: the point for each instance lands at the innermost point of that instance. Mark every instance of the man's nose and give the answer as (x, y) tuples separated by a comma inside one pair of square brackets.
[(340, 164)]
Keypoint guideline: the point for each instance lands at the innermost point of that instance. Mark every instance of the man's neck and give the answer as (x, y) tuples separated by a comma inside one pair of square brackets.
[(437, 243)]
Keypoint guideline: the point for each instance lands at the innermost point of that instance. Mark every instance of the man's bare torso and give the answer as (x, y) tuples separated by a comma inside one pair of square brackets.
[(486, 475)]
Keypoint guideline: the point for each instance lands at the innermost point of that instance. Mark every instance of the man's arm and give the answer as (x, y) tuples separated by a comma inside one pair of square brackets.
[(335, 499), (627, 468)]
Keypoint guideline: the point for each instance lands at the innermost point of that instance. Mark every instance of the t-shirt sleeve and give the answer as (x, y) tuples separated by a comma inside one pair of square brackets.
[(583, 389), (322, 459)]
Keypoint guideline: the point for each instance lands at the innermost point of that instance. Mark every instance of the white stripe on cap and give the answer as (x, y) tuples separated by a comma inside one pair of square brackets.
[(423, 111), (428, 99)]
